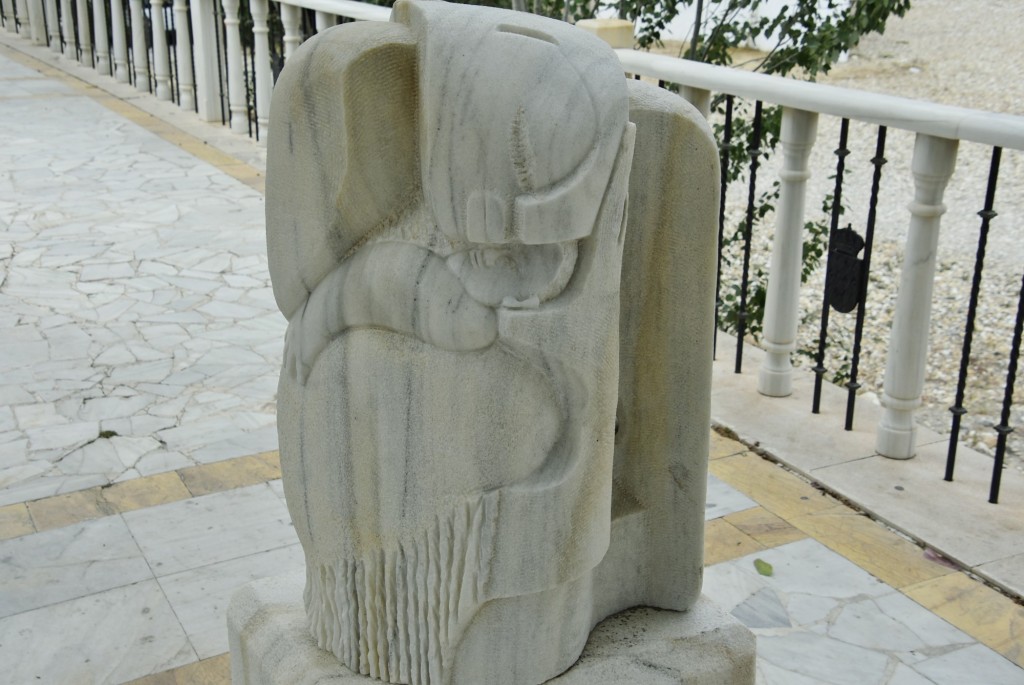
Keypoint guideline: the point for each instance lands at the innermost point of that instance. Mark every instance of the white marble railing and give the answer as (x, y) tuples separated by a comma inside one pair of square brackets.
[(220, 92), (938, 129)]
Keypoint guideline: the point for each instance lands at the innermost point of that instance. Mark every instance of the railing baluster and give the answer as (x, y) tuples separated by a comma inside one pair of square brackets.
[(69, 49), (862, 299), (724, 151), (52, 25), (1004, 428), (782, 302), (36, 21), (837, 207), (754, 151), (698, 97), (161, 52), (290, 18), (183, 55), (932, 165), (958, 409), (84, 35), (235, 67), (20, 25), (325, 20), (102, 49), (121, 71), (261, 64), (22, 20), (205, 30), (9, 15), (140, 55)]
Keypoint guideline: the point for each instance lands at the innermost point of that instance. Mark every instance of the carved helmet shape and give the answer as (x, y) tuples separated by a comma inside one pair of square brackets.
[(496, 167)]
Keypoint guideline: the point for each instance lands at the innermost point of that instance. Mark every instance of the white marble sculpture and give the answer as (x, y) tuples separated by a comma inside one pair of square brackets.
[(493, 413)]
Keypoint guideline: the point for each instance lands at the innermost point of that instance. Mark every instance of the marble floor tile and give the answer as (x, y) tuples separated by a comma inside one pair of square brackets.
[(723, 499), (821, 619), (66, 563), (972, 664), (113, 244), (200, 596), (206, 530), (277, 485), (108, 637)]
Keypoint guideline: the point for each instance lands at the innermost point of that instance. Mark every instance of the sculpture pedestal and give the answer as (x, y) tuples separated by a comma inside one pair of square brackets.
[(271, 645)]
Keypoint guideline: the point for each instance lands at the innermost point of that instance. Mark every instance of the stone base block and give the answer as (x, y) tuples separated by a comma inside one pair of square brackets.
[(270, 645)]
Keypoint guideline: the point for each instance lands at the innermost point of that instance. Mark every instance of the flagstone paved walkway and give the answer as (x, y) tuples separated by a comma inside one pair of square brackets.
[(140, 347), (140, 331)]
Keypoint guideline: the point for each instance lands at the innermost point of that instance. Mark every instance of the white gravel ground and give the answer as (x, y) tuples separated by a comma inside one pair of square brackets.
[(960, 52)]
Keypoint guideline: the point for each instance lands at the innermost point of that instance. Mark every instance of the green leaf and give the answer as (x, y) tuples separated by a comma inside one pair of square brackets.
[(763, 567)]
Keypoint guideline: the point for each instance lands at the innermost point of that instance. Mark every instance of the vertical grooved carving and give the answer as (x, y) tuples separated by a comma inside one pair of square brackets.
[(416, 594)]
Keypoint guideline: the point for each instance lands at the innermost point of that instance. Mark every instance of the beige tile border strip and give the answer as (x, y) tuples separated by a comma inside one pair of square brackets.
[(213, 671), (36, 516)]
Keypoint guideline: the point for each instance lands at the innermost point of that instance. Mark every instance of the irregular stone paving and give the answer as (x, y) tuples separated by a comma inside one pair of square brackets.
[(139, 328)]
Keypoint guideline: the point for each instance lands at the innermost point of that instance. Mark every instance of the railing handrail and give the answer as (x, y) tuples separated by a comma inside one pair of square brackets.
[(942, 121), (931, 118), (346, 8)]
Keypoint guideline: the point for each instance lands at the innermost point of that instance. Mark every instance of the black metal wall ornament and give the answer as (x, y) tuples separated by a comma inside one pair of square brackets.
[(845, 270)]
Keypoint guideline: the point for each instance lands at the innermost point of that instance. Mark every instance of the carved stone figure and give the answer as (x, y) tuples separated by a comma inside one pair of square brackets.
[(493, 412)]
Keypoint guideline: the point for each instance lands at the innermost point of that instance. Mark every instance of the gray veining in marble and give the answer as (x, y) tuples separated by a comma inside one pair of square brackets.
[(200, 596), (65, 563), (494, 375), (108, 637)]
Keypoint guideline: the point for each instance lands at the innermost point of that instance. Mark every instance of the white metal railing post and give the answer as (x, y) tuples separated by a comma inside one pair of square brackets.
[(782, 304), (84, 35), (120, 37), (290, 15), (236, 77), (8, 6), (698, 97), (99, 23), (205, 58), (324, 20), (36, 12), (67, 27), (24, 26), (140, 52), (183, 54), (52, 24), (261, 64), (932, 165), (161, 53)]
